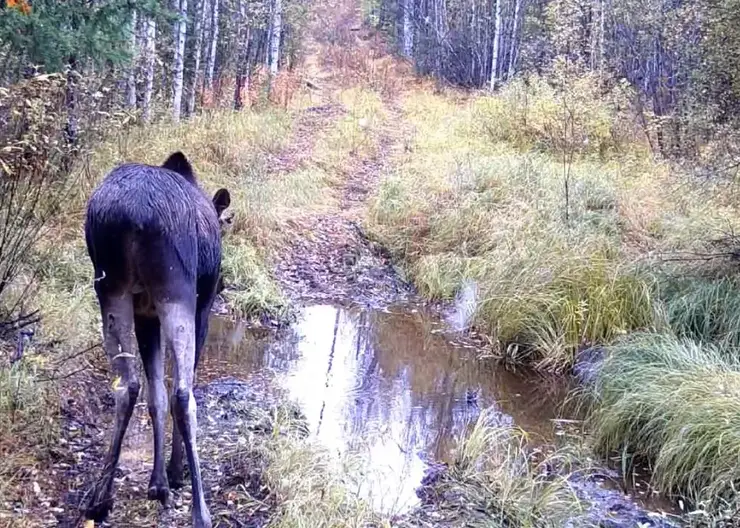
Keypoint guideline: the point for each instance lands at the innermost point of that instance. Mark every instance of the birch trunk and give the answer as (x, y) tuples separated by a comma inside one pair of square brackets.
[(199, 24), (241, 55), (514, 39), (149, 51), (277, 26), (496, 41), (131, 81), (180, 29), (408, 28), (213, 46), (602, 32)]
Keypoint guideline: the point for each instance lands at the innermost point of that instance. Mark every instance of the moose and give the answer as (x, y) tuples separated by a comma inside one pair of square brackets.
[(154, 239)]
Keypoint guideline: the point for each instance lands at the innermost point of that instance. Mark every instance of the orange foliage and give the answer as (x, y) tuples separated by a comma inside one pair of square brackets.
[(21, 5), (284, 87)]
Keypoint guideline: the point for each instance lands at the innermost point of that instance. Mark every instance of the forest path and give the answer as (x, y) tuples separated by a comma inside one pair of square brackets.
[(350, 129)]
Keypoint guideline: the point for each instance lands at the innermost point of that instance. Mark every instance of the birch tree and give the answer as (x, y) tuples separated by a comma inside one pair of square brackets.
[(212, 46), (275, 35), (179, 59), (197, 52), (131, 81), (514, 39), (408, 28), (496, 41), (150, 47)]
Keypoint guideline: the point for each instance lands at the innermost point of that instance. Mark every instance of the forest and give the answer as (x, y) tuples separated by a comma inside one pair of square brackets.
[(520, 216)]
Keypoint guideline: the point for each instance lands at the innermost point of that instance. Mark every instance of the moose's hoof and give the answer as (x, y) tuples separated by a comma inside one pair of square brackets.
[(159, 490), (99, 511)]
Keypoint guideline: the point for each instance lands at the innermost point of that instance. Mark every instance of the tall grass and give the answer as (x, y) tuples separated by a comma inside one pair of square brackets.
[(306, 485), (675, 402), (28, 424), (705, 310), (497, 479), (554, 274)]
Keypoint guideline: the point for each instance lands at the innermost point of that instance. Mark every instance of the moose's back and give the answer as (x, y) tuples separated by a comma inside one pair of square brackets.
[(147, 224)]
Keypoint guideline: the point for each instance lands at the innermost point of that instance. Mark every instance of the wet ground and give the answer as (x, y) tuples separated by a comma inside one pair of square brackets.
[(390, 388), (394, 389)]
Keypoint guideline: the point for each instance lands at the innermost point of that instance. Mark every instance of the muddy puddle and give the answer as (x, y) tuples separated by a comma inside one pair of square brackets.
[(392, 389)]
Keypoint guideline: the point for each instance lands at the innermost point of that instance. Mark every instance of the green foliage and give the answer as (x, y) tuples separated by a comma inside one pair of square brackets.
[(56, 31), (677, 403), (718, 77), (533, 114), (34, 171)]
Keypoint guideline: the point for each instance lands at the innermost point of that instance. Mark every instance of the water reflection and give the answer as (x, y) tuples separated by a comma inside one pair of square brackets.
[(386, 386)]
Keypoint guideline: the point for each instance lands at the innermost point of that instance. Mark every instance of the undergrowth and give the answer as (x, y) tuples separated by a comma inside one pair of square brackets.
[(481, 195), (676, 403), (497, 479)]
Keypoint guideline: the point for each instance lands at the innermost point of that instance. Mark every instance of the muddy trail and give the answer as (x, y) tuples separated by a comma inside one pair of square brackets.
[(368, 370)]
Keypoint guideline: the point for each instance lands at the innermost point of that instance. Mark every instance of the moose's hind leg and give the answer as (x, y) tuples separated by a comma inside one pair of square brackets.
[(178, 324), (148, 337), (117, 313)]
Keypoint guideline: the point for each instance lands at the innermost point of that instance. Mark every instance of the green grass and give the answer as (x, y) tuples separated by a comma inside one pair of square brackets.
[(676, 403), (497, 479), (305, 485), (552, 278), (253, 292), (704, 310), (481, 195)]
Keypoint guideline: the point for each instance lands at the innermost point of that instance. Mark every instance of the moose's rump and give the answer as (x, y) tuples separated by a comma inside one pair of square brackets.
[(148, 229)]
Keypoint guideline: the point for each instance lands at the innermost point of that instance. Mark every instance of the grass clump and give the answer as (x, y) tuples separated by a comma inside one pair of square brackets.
[(254, 292), (553, 274), (675, 402), (301, 482), (704, 310), (497, 479)]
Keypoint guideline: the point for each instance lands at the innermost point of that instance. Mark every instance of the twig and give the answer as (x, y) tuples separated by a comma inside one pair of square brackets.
[(702, 257), (58, 378), (77, 354)]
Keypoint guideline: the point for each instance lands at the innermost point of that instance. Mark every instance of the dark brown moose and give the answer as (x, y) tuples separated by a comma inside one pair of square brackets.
[(155, 243)]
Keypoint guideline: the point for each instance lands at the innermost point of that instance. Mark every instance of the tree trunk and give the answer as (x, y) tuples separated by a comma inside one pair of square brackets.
[(199, 24), (179, 37), (213, 46), (514, 40), (496, 41), (131, 81), (277, 26), (602, 33), (149, 56), (408, 28), (242, 62)]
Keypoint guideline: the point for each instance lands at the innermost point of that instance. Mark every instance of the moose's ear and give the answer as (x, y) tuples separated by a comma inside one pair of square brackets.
[(178, 163), (221, 201)]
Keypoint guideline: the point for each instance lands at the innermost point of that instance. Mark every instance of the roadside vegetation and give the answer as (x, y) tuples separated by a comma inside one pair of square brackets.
[(579, 243)]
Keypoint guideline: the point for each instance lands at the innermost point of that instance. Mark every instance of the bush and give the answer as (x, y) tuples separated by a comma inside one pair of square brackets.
[(532, 114)]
